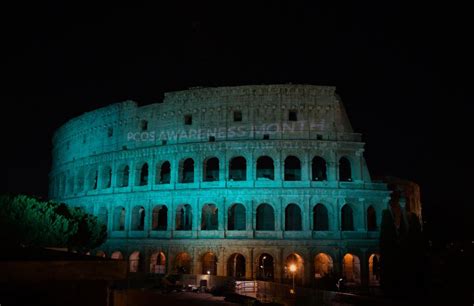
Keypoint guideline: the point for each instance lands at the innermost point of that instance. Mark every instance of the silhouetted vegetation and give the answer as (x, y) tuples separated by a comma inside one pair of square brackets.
[(27, 221)]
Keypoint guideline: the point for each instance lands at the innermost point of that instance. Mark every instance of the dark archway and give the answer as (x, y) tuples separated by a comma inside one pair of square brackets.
[(371, 219), (293, 218), (186, 171), (164, 173), (292, 169), (238, 169), (119, 219), (347, 218), (345, 172), (209, 217), (266, 267), (320, 218), (236, 266), (265, 168), (265, 218), (209, 264), (318, 169), (159, 218), (138, 218), (184, 217), (211, 169), (236, 218)]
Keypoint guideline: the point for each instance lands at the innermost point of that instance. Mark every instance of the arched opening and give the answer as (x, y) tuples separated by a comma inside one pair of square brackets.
[(186, 171), (292, 169), (209, 264), (320, 218), (292, 218), (138, 218), (184, 217), (101, 254), (266, 267), (265, 168), (209, 217), (143, 175), (106, 177), (371, 219), (70, 184), (236, 266), (347, 218), (80, 180), (265, 218), (119, 219), (93, 176), (116, 255), (158, 263), (345, 174), (182, 263), (102, 216), (163, 172), (159, 218), (374, 270), (322, 265), (238, 169), (351, 268), (123, 176), (318, 169), (236, 218), (211, 169), (134, 262), (294, 262)]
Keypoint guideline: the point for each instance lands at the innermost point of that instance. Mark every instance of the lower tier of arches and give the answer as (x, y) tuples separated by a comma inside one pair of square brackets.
[(357, 262)]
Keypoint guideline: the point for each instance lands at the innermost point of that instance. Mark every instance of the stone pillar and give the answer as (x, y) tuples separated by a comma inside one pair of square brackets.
[(249, 265), (332, 170)]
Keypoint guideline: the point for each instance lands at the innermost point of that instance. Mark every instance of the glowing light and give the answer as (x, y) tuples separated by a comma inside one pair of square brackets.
[(208, 272), (293, 268)]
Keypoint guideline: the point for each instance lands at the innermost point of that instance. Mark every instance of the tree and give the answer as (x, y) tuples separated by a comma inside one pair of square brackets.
[(26, 221)]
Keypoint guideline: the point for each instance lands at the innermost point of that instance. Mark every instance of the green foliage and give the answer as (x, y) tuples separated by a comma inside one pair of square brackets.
[(26, 221)]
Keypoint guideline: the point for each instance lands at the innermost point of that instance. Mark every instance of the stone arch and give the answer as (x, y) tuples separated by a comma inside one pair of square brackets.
[(106, 177), (238, 169), (184, 217), (159, 220), (135, 262), (265, 267), (318, 169), (292, 171), (102, 216), (371, 219), (116, 255), (123, 176), (320, 218), (265, 218), (210, 171), (298, 262), (209, 217), (80, 180), (374, 269), (92, 178), (142, 174), (183, 263), (347, 218), (293, 220), (138, 218), (163, 173), (265, 168), (351, 268), (345, 171), (236, 218), (236, 266), (323, 265), (186, 171), (119, 218), (209, 263), (158, 263)]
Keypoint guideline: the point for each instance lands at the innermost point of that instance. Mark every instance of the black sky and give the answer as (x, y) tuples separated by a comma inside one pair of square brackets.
[(401, 70)]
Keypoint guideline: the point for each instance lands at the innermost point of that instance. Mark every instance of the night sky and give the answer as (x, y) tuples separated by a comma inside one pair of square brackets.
[(400, 70)]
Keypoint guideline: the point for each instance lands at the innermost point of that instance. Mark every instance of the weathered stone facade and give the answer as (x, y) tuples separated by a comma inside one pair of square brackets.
[(274, 174)]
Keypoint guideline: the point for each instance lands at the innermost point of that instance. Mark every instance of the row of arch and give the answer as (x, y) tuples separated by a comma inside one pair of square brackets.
[(236, 265), (265, 170), (236, 218)]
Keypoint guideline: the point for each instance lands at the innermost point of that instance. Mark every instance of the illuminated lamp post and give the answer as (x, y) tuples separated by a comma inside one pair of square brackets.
[(263, 266), (293, 271)]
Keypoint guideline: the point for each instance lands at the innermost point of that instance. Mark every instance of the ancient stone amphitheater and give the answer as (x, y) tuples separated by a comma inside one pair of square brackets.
[(233, 181)]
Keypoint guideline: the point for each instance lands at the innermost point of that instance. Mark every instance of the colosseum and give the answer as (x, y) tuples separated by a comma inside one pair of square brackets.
[(243, 181)]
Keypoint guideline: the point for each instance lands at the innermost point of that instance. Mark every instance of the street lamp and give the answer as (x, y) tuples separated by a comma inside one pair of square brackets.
[(293, 270)]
